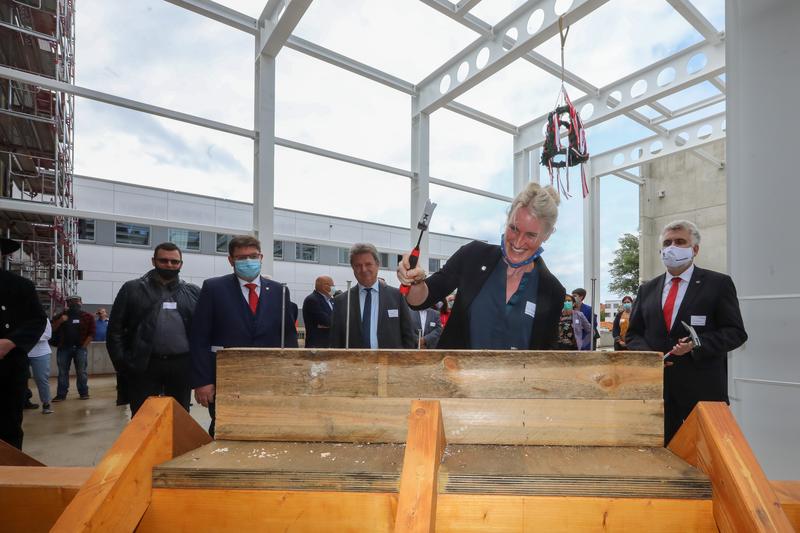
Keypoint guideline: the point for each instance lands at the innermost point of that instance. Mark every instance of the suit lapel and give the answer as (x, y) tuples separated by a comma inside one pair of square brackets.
[(655, 304), (383, 306), (355, 317), (262, 300), (242, 305), (695, 286)]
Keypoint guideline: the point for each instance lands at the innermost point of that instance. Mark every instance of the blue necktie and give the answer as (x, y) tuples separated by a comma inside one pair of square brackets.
[(366, 320)]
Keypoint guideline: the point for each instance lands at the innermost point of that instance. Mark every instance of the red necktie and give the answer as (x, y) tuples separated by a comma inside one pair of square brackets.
[(669, 305), (252, 298)]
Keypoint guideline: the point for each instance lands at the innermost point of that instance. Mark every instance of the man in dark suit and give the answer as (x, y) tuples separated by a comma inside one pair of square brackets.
[(242, 309), (704, 299), (379, 315), (428, 322), (22, 322), (317, 311)]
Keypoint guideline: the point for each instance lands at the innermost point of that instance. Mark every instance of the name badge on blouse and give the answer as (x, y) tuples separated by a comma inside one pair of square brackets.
[(698, 320), (392, 313), (530, 309), (433, 324), (76, 320), (170, 305)]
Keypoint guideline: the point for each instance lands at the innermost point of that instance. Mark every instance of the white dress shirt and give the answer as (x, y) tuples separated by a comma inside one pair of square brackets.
[(246, 291), (423, 315), (686, 277)]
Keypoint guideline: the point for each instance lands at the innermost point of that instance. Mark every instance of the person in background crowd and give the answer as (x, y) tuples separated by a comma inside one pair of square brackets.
[(428, 326), (621, 321), (23, 322), (317, 311), (73, 330), (100, 325), (573, 327), (241, 309), (148, 334), (507, 298), (580, 297), (39, 360)]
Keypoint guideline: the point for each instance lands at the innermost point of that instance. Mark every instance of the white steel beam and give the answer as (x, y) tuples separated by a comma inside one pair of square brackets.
[(264, 155), (719, 84), (54, 85), (461, 73), (471, 190), (694, 17), (591, 238), (465, 5), (39, 208), (691, 108), (627, 176), (686, 137), (330, 154), (708, 158), (470, 21), (420, 181), (344, 62), (480, 116), (532, 133), (279, 24), (220, 13), (522, 171)]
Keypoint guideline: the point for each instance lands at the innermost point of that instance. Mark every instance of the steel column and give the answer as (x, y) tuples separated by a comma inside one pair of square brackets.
[(420, 179), (264, 156)]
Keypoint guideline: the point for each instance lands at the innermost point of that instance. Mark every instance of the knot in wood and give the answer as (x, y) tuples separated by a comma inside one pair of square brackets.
[(420, 411), (450, 363), (607, 381)]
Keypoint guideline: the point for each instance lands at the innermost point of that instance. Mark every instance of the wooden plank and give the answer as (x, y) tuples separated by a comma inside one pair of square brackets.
[(601, 471), (416, 506), (466, 421), (238, 510), (187, 434), (743, 497), (32, 498), (788, 493), (10, 456), (118, 492), (439, 374)]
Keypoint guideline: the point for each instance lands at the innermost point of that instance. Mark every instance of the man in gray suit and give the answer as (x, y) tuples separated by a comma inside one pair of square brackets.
[(428, 321), (379, 315)]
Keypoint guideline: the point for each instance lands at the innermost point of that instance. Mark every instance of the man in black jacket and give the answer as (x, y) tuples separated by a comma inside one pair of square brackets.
[(22, 322), (148, 338), (704, 299), (317, 310)]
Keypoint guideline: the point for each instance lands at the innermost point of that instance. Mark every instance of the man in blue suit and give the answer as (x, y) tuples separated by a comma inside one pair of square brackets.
[(242, 309), (317, 310)]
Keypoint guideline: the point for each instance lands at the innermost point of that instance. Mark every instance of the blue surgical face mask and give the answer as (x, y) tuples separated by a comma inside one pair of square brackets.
[(247, 269), (567, 306), (627, 306)]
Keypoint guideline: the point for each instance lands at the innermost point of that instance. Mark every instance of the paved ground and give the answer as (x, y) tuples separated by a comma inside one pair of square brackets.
[(80, 432)]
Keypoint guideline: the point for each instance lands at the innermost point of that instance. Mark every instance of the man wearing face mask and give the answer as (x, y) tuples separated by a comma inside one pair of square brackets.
[(704, 299), (242, 309), (73, 330), (148, 331)]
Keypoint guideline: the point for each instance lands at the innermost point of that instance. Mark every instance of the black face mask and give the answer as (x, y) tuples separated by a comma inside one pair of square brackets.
[(74, 307), (167, 273)]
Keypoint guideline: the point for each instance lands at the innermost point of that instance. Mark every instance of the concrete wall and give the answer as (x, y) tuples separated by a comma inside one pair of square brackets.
[(98, 362), (693, 189)]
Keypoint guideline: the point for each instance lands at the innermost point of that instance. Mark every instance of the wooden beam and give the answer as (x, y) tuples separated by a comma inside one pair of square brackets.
[(343, 512), (788, 493), (743, 498), (32, 498), (416, 506), (118, 492), (10, 456), (467, 420)]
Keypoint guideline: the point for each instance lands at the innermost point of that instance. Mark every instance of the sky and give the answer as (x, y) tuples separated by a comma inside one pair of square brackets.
[(155, 52)]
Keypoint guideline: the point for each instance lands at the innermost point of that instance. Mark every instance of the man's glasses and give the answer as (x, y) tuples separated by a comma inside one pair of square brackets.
[(163, 261)]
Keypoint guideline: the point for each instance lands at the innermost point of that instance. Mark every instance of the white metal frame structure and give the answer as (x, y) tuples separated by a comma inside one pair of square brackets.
[(514, 37)]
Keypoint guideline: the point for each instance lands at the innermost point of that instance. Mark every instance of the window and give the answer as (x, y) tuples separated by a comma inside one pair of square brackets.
[(344, 256), (384, 257), (306, 252), (185, 239), (434, 265), (222, 242), (132, 234), (277, 249), (86, 229)]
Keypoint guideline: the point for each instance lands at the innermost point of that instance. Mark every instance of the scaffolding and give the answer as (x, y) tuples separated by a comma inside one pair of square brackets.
[(36, 143)]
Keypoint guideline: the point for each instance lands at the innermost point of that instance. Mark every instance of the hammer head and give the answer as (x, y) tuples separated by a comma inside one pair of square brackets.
[(692, 333), (427, 213)]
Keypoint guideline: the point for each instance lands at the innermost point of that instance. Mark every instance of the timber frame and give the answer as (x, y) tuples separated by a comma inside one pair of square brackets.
[(120, 494)]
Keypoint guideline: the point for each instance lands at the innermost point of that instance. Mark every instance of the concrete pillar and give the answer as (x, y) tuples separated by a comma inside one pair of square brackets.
[(264, 164), (522, 170), (763, 73)]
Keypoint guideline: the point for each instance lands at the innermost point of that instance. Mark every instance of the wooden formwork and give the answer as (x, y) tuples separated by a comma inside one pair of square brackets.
[(334, 440)]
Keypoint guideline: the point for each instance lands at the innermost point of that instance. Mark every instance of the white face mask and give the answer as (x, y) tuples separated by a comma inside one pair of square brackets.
[(676, 257)]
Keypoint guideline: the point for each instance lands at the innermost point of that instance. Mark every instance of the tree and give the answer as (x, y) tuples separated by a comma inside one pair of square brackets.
[(625, 266)]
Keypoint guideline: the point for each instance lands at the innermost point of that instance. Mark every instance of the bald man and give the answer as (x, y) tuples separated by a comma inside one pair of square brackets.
[(317, 309)]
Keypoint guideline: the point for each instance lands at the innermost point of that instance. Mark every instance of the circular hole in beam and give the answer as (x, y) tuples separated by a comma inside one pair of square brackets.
[(682, 138), (665, 77), (535, 21), (705, 131), (483, 58), (587, 111), (562, 6), (656, 147), (638, 89), (511, 39), (614, 99), (444, 85), (463, 71), (697, 63), (619, 159)]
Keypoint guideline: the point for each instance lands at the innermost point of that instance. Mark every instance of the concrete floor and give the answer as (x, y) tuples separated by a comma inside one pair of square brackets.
[(80, 432)]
